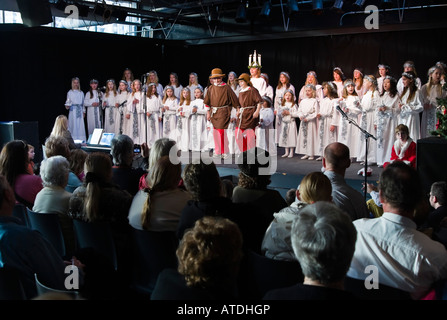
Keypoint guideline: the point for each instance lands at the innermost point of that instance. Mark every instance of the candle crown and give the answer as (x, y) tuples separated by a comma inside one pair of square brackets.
[(254, 60)]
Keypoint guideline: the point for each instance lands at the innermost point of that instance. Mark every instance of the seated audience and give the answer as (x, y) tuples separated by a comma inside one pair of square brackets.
[(58, 146), (60, 129), (290, 196), (209, 256), (227, 188), (277, 244), (77, 162), (336, 160), (323, 240), (373, 204), (26, 250), (435, 224), (404, 148), (124, 175), (253, 184), (406, 259), (53, 198), (14, 162), (158, 207), (203, 182)]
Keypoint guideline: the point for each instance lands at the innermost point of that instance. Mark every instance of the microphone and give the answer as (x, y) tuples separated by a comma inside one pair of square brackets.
[(344, 115)]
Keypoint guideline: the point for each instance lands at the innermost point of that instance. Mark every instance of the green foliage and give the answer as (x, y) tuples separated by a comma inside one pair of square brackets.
[(441, 115)]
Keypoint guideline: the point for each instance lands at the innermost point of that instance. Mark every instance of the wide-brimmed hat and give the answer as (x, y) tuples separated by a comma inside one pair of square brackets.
[(245, 77), (216, 73)]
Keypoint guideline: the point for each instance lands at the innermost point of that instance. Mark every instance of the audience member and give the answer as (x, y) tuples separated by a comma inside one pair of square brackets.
[(290, 196), (58, 146), (336, 160), (60, 129), (99, 200), (277, 244), (323, 239), (435, 224), (227, 188), (203, 182), (253, 184), (158, 207), (124, 175), (405, 258), (14, 162), (26, 250), (31, 155), (53, 198), (161, 147), (374, 205), (209, 256), (77, 162)]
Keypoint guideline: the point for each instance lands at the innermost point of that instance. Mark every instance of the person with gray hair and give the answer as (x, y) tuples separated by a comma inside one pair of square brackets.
[(53, 198), (323, 240), (124, 175)]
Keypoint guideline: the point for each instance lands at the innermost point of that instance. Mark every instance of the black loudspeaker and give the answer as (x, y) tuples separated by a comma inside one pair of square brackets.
[(431, 161), (35, 12), (26, 131)]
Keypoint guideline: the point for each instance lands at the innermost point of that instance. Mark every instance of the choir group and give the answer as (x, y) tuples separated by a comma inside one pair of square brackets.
[(301, 122)]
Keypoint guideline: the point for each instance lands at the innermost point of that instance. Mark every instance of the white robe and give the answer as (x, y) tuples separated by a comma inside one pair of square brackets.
[(265, 133), (183, 115), (137, 117), (348, 134), (386, 124), (124, 124), (286, 132), (307, 135), (231, 133), (94, 115), (400, 85), (369, 104), (327, 113), (428, 121), (279, 94), (154, 124), (409, 114), (209, 136), (340, 88), (260, 84), (269, 92), (75, 100), (170, 119), (197, 131), (111, 114)]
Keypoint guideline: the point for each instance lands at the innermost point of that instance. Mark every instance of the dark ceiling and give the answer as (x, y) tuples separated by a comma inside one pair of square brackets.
[(209, 21)]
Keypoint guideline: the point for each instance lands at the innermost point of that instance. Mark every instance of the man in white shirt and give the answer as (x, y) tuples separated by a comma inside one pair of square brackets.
[(401, 256)]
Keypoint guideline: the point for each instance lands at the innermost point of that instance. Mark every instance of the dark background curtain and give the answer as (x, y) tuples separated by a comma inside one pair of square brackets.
[(37, 64)]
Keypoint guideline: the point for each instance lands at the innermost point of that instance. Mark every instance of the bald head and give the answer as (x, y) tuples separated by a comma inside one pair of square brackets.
[(336, 157)]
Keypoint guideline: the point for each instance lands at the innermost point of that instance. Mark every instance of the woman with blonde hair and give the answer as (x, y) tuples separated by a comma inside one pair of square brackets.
[(311, 78), (75, 105), (158, 207), (60, 129), (314, 187)]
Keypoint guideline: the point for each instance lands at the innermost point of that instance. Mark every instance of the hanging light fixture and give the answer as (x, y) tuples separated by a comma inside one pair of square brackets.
[(317, 6), (293, 7), (338, 5), (266, 9), (241, 13), (359, 4)]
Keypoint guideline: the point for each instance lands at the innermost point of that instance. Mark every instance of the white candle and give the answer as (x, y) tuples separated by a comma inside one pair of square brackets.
[(259, 60), (249, 60)]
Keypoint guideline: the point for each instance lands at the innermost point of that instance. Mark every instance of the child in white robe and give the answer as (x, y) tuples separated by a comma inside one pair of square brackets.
[(183, 115), (153, 114), (283, 85), (170, 106), (286, 130), (307, 143), (265, 133), (136, 113), (76, 114), (327, 131), (111, 112), (123, 93), (92, 104), (410, 105), (197, 130)]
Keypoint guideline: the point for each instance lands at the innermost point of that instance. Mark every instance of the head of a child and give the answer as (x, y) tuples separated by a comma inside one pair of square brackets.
[(31, 153), (314, 187)]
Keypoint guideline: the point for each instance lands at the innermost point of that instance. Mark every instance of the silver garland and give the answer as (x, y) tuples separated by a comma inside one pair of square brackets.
[(166, 124), (111, 112), (135, 124), (78, 110), (194, 139), (431, 121), (321, 132), (152, 122)]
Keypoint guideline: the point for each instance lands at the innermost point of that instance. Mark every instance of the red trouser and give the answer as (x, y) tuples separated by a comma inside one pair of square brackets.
[(245, 139), (220, 141)]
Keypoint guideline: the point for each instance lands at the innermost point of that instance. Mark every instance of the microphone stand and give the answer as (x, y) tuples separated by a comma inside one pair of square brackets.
[(367, 135), (145, 113), (121, 111)]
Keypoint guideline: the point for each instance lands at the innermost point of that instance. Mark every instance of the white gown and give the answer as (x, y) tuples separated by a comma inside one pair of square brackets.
[(265, 133), (260, 84), (428, 121), (76, 126), (137, 125), (93, 113), (170, 119), (231, 133), (369, 104), (286, 130), (279, 94), (348, 134), (111, 114), (124, 124), (307, 135), (409, 114), (325, 135), (183, 127), (197, 132), (386, 124), (154, 124)]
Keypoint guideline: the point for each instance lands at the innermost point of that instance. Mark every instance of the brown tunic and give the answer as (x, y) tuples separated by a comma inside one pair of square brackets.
[(249, 98), (219, 96)]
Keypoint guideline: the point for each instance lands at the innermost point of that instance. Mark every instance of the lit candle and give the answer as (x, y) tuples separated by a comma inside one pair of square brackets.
[(249, 60)]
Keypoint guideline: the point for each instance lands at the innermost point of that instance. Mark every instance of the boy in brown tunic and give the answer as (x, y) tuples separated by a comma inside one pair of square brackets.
[(219, 100)]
